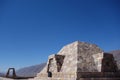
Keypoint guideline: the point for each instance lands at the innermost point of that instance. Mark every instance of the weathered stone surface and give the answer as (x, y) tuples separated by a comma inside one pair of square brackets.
[(75, 58), (89, 57), (108, 63), (116, 54)]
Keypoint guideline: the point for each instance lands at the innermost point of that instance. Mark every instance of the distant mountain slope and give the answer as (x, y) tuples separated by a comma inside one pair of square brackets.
[(30, 71), (116, 54), (2, 74)]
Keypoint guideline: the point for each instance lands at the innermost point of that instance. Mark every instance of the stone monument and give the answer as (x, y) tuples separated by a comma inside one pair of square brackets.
[(78, 60)]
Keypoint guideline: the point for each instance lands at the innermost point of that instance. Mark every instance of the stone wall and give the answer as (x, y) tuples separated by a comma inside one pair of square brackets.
[(72, 59), (89, 57), (98, 61), (108, 63), (55, 63), (69, 66)]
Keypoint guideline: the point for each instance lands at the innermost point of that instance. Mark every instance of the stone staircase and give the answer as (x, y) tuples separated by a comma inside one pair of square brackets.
[(81, 76), (98, 76)]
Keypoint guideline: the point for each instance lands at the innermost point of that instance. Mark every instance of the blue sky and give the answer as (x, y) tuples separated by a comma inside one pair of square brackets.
[(31, 30)]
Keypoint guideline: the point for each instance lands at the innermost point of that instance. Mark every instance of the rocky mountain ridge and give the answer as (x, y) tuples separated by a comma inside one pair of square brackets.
[(30, 71)]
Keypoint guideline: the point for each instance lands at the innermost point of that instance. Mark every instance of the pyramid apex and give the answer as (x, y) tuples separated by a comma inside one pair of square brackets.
[(78, 42)]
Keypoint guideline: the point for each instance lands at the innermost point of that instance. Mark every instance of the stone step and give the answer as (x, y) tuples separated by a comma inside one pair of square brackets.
[(98, 75)]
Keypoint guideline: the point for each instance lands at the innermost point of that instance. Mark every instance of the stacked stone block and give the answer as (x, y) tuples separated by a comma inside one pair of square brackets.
[(89, 57), (76, 59), (108, 63)]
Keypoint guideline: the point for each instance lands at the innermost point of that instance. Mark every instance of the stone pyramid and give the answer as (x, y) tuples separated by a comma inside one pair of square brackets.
[(73, 59)]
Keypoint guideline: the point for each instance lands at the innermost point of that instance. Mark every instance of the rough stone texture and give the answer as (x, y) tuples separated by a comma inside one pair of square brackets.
[(116, 54), (55, 63), (75, 58), (69, 66), (108, 63), (98, 61), (98, 75), (89, 57)]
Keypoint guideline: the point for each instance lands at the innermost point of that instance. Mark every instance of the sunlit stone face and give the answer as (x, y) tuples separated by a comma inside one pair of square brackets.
[(98, 60), (74, 58)]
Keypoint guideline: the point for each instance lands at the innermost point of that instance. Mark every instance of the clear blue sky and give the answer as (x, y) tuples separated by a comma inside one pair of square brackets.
[(31, 30)]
